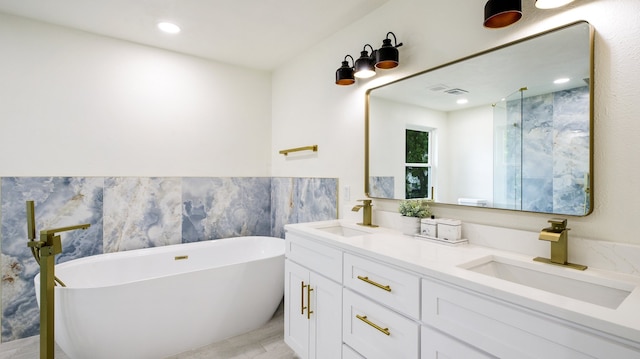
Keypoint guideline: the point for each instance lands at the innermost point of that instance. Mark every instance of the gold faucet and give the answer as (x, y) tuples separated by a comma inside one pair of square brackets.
[(44, 252), (558, 235), (366, 212)]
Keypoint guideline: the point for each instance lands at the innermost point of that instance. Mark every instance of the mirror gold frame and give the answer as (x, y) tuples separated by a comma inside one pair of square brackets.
[(473, 62)]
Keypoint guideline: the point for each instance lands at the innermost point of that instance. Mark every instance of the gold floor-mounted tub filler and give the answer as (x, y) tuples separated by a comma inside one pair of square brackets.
[(44, 251)]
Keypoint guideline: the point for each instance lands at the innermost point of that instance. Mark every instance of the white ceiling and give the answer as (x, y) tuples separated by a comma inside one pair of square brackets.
[(259, 34), (489, 77)]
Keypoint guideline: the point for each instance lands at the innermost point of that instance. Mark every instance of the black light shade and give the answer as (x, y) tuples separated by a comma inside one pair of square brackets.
[(365, 65), (387, 57), (344, 75), (501, 13)]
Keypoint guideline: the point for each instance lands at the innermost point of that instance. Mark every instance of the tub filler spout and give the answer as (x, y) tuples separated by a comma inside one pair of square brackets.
[(44, 252)]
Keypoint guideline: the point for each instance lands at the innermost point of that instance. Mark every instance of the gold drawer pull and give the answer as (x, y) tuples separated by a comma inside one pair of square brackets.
[(366, 279), (302, 307), (364, 319), (309, 311)]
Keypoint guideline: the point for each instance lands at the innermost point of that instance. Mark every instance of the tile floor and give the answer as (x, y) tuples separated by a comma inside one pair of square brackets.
[(263, 343)]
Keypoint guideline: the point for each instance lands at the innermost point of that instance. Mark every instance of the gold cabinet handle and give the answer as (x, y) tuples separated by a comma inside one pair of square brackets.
[(366, 279), (302, 307), (309, 311), (381, 329)]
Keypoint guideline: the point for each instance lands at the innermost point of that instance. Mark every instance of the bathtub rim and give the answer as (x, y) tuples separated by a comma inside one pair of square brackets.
[(135, 253)]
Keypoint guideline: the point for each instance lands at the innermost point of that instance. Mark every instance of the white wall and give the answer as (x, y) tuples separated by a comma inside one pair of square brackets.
[(470, 149), (308, 108), (76, 104), (387, 137)]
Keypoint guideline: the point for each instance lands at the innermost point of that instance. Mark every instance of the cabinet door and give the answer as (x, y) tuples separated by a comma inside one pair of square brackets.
[(313, 314), (436, 345), (296, 323), (326, 318)]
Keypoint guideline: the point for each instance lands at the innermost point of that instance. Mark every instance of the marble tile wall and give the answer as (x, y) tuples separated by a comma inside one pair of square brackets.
[(128, 213), (382, 186), (554, 134)]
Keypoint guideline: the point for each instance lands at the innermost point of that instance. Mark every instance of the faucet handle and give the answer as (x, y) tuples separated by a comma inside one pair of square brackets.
[(366, 202), (558, 223)]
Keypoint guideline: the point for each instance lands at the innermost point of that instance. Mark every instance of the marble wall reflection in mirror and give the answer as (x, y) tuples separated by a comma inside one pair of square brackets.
[(509, 128)]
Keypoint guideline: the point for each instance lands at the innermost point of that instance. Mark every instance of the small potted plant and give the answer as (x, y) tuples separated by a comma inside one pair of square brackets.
[(412, 210)]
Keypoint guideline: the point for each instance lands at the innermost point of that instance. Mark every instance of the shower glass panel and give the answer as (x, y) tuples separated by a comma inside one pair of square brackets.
[(537, 138), (507, 169)]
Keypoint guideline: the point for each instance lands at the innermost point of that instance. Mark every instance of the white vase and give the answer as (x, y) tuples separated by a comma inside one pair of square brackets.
[(410, 225)]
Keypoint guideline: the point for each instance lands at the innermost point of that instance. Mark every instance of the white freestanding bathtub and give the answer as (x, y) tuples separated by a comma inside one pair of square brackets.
[(156, 302)]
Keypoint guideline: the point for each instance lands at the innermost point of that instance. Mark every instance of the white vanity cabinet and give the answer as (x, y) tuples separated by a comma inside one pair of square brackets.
[(348, 298), (313, 302), (490, 325)]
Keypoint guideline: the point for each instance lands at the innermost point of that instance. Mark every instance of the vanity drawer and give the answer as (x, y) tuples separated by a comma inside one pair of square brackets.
[(395, 288), (377, 332), (316, 256)]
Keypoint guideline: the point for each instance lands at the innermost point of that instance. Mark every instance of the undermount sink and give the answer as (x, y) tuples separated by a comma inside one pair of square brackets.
[(344, 231), (562, 281)]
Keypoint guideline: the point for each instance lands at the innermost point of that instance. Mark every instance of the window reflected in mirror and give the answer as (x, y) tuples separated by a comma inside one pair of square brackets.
[(417, 165)]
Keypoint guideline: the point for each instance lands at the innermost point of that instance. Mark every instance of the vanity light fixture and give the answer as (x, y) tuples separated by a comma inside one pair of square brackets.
[(169, 27), (365, 65), (387, 57), (551, 4), (501, 13), (345, 75)]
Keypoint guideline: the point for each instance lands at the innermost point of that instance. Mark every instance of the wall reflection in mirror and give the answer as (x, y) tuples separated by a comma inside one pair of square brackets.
[(509, 128)]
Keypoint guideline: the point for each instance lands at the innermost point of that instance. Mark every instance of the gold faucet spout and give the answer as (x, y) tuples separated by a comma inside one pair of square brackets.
[(550, 236), (64, 229), (366, 212), (558, 236)]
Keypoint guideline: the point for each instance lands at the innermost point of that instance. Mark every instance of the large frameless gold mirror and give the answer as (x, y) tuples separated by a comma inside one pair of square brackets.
[(509, 128)]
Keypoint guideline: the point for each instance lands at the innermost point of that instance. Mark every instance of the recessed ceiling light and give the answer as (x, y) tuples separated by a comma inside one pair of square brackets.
[(462, 101), (563, 80), (169, 27)]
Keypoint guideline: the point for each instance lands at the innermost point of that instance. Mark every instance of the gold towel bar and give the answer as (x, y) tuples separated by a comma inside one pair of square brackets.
[(286, 152)]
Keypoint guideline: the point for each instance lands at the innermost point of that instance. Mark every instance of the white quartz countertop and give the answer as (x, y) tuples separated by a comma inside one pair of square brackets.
[(448, 263)]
